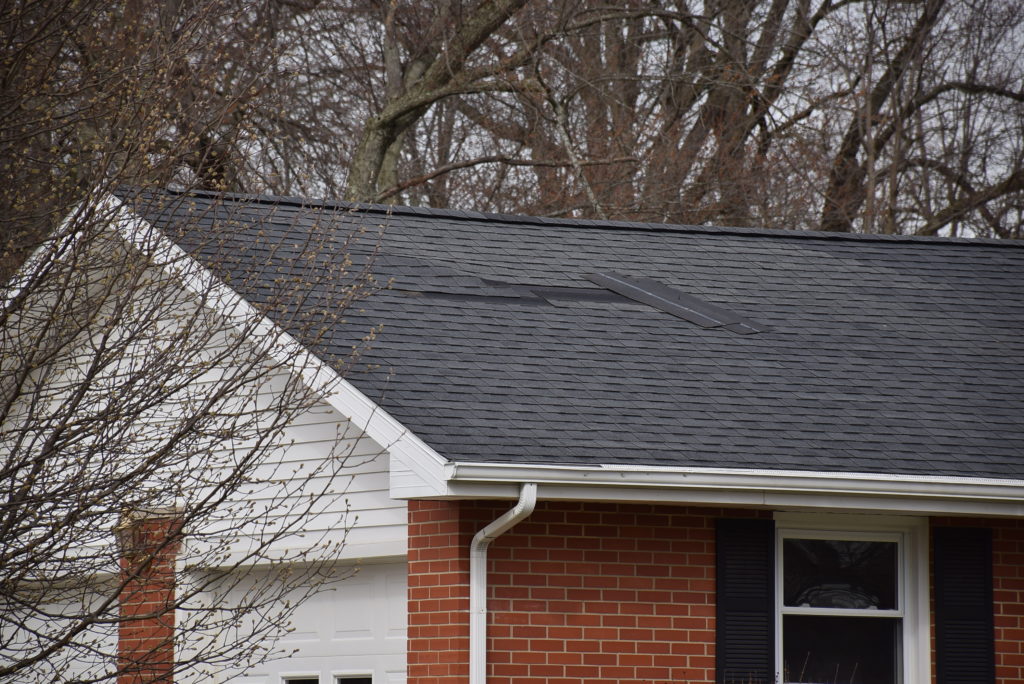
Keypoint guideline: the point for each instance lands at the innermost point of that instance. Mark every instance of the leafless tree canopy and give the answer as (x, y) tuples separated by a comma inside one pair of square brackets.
[(898, 117), (125, 396), (895, 117), (132, 387)]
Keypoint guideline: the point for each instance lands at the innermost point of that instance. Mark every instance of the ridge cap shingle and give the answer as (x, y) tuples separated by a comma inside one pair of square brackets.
[(615, 225)]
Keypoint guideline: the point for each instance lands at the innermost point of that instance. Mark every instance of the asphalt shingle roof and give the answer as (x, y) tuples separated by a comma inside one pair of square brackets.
[(890, 355)]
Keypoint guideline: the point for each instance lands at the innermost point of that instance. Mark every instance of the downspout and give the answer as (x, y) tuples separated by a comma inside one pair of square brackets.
[(478, 578)]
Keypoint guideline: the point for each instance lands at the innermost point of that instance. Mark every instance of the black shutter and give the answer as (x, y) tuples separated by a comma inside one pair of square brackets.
[(745, 572), (964, 632)]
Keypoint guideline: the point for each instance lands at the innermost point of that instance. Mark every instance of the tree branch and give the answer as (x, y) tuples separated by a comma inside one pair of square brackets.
[(494, 159)]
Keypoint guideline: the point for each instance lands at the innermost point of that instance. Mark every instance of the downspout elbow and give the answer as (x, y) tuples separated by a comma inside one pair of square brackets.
[(478, 578)]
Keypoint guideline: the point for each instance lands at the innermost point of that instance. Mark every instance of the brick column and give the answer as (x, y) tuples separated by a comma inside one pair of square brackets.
[(438, 644), (150, 546)]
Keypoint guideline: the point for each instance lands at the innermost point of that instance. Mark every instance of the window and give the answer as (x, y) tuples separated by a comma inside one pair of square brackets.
[(313, 679), (849, 600)]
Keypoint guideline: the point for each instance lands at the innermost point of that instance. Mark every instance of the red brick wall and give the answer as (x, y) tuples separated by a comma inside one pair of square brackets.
[(146, 628), (1008, 586), (608, 593), (438, 643), (1008, 593), (578, 593)]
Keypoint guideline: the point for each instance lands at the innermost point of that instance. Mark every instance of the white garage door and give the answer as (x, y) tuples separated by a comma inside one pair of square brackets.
[(352, 633)]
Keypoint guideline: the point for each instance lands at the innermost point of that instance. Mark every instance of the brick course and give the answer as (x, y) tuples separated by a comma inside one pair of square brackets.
[(578, 592)]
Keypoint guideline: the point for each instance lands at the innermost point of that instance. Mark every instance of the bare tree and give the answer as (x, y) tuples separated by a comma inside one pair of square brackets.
[(836, 115), (816, 114), (96, 95), (144, 409), (137, 388), (119, 390)]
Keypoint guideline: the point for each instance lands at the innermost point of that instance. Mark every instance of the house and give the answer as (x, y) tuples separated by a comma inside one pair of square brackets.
[(636, 452)]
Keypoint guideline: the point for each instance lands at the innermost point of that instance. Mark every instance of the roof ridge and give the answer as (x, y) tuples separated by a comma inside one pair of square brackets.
[(470, 215)]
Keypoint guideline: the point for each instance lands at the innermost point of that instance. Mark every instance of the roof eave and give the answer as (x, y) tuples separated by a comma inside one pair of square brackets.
[(861, 492)]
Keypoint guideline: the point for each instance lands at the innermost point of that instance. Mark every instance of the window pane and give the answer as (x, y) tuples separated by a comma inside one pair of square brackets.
[(829, 573), (840, 650)]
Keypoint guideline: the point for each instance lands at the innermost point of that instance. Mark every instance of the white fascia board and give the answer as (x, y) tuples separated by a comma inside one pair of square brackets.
[(339, 393), (907, 494)]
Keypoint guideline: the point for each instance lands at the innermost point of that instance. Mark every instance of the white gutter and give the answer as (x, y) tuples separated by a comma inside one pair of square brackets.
[(922, 494), (878, 484), (478, 578)]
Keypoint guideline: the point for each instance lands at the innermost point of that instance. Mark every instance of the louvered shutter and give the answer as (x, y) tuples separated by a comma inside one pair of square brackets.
[(745, 572), (964, 632)]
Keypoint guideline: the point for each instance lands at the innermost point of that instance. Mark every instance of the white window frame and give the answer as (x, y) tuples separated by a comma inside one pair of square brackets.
[(336, 676), (911, 536)]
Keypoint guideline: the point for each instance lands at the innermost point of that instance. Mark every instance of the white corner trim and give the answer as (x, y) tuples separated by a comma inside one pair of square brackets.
[(338, 392), (402, 445), (60, 243), (906, 494)]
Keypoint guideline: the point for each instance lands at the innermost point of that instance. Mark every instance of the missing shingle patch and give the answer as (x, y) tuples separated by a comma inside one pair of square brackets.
[(616, 291), (680, 304)]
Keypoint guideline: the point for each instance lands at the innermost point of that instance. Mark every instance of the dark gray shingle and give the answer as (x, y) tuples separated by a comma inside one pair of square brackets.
[(890, 355)]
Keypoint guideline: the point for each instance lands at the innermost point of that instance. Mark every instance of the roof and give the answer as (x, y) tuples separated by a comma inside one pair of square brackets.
[(875, 354)]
